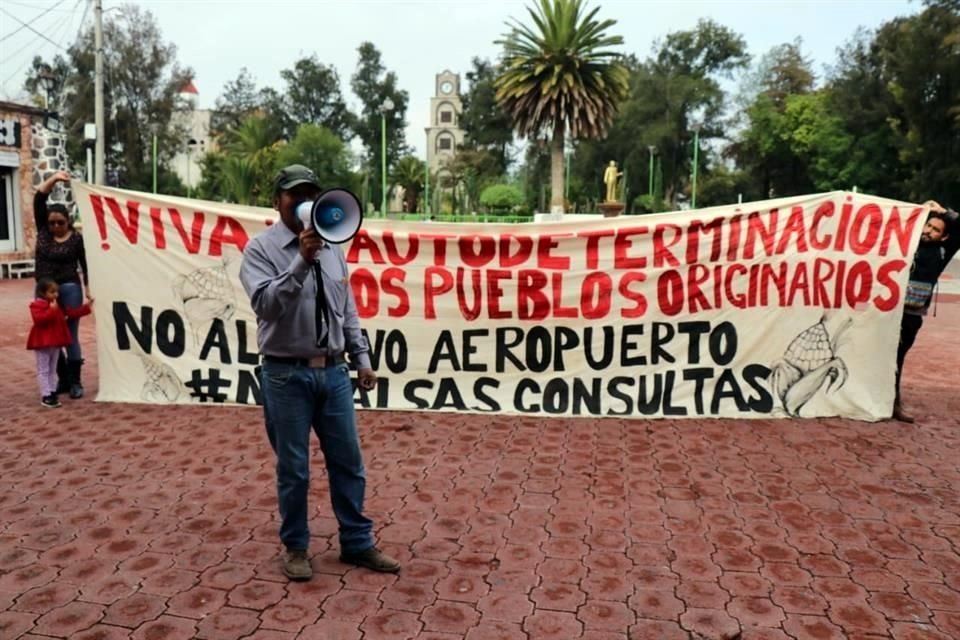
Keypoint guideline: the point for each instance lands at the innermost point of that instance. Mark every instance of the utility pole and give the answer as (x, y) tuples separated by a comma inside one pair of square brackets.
[(98, 161), (696, 163), (385, 108), (651, 148), (426, 187)]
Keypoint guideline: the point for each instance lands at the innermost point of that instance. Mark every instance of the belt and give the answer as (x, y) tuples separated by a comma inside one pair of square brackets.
[(316, 362)]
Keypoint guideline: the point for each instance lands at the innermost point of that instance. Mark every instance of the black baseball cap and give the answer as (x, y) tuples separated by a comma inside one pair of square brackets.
[(293, 175)]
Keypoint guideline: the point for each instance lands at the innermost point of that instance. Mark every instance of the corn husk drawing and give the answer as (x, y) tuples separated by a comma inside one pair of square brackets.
[(162, 384), (206, 294), (809, 364)]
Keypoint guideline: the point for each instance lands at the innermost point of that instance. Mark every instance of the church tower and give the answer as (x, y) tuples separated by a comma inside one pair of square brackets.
[(444, 134)]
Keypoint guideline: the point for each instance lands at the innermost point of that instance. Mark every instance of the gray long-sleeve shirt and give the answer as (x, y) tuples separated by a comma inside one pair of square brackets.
[(283, 292)]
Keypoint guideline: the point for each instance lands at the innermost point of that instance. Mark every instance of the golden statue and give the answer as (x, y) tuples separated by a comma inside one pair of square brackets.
[(610, 179)]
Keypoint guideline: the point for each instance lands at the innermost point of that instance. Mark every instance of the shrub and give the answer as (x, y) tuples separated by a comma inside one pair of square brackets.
[(501, 198)]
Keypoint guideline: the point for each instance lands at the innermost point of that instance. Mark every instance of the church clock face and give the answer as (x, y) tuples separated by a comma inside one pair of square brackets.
[(446, 87)]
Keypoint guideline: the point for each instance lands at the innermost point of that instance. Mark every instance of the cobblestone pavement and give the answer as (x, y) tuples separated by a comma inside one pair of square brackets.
[(950, 280), (130, 521)]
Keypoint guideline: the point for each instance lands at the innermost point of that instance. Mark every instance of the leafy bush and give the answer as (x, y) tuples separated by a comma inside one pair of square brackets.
[(501, 198)]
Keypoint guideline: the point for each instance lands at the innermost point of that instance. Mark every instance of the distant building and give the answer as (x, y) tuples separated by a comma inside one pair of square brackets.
[(30, 152), (197, 141), (444, 134)]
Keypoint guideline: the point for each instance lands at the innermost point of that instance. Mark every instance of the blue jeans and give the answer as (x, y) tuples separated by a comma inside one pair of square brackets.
[(71, 295), (294, 398)]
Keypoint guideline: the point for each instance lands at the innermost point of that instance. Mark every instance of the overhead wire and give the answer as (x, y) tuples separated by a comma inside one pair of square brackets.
[(83, 19), (56, 44), (30, 43), (57, 27), (26, 25), (72, 123), (29, 5)]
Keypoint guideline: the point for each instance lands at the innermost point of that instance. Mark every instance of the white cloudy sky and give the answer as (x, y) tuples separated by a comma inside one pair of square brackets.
[(417, 38)]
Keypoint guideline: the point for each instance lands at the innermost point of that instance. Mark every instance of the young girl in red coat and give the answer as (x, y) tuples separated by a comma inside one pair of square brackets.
[(49, 334)]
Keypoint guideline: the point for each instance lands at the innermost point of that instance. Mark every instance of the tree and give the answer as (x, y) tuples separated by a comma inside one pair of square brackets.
[(141, 88), (212, 185), (534, 174), (409, 175), (487, 127), (918, 58), (720, 185), (249, 162), (897, 92), (816, 135), (238, 100), (764, 146), (59, 70), (673, 89), (470, 171), (785, 72), (320, 149), (859, 95), (561, 76), (273, 105), (501, 198), (680, 87), (313, 96), (374, 85), (240, 181)]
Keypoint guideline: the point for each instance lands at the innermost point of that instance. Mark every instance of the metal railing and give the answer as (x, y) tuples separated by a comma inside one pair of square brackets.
[(491, 218)]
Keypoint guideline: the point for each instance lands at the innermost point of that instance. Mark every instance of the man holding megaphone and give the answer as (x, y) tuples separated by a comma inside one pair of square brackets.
[(297, 279)]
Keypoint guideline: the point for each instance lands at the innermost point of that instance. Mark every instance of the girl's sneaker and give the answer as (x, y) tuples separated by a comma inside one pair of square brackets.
[(50, 401)]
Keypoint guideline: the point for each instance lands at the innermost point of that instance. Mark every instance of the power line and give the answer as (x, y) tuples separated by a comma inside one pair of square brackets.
[(83, 19), (30, 43), (26, 25), (64, 22), (59, 46), (29, 5)]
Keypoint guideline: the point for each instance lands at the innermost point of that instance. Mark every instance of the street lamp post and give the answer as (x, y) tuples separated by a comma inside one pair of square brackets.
[(651, 148), (89, 139), (190, 145), (426, 187), (386, 107), (696, 158), (625, 189), (153, 133), (48, 80), (657, 184)]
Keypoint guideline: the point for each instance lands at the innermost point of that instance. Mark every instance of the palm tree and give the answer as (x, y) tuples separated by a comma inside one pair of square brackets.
[(239, 180), (561, 77), (409, 175), (251, 152)]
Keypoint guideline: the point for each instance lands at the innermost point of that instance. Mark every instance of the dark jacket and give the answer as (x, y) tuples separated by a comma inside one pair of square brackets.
[(56, 260), (932, 258)]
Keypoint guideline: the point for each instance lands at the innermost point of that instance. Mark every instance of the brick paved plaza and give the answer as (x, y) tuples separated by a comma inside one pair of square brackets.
[(159, 523)]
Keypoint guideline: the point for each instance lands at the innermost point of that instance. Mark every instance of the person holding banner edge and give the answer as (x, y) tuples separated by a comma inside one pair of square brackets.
[(306, 321), (939, 242), (60, 256)]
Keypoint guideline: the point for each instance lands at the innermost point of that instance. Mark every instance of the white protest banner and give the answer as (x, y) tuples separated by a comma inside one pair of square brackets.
[(785, 308)]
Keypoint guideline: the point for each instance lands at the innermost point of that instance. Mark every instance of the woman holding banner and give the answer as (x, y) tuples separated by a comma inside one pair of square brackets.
[(60, 256)]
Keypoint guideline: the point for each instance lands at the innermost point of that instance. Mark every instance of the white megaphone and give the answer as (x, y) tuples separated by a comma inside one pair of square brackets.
[(336, 215)]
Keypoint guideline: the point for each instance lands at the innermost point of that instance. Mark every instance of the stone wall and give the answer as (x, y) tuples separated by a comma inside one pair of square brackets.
[(41, 153), (49, 155)]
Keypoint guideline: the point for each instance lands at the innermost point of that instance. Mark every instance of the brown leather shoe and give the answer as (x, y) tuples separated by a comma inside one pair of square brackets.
[(901, 415), (296, 565), (372, 559)]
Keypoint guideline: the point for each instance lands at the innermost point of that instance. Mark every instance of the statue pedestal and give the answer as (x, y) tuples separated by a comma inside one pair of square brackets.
[(611, 209)]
